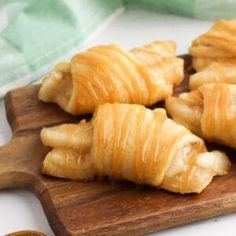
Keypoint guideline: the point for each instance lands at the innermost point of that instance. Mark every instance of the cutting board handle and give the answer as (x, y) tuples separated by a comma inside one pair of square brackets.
[(18, 168)]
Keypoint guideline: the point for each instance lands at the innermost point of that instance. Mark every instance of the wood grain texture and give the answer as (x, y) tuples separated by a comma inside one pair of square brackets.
[(100, 207)]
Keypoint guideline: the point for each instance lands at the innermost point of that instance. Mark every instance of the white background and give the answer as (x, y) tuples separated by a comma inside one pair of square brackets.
[(21, 210)]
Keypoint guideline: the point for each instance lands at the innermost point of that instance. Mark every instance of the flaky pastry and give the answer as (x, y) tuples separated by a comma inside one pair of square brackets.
[(143, 75), (131, 142), (216, 45), (209, 111), (215, 73)]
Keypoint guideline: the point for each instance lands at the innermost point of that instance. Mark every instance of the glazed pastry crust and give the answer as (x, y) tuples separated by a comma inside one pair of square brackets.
[(209, 111), (216, 45), (215, 73), (133, 143), (144, 75)]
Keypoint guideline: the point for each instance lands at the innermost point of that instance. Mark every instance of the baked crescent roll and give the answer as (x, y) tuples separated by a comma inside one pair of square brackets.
[(209, 111), (144, 75), (200, 64), (131, 142), (215, 73), (216, 45)]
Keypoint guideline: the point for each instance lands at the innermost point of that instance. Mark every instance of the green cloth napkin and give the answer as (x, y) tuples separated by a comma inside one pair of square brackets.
[(41, 32), (35, 34)]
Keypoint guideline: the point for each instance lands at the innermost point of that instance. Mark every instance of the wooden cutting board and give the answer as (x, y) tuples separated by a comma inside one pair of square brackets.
[(101, 207)]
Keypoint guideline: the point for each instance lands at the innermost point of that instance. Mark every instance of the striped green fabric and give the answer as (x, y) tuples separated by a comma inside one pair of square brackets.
[(35, 34)]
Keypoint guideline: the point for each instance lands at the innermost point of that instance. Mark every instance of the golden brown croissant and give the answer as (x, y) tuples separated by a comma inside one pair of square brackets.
[(144, 75), (200, 64), (215, 73), (217, 45), (208, 111), (134, 143)]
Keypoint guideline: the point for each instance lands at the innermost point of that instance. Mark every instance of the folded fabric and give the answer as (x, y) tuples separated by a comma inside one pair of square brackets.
[(38, 33), (34, 35)]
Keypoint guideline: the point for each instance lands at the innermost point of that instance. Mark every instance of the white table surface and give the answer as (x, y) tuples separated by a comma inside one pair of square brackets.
[(20, 209)]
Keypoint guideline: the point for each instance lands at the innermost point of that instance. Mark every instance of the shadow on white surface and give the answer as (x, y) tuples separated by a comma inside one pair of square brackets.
[(218, 226), (22, 211)]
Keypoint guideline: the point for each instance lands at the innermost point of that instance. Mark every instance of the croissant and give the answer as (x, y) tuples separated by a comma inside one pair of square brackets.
[(200, 64), (215, 73), (144, 75), (208, 111), (217, 45), (131, 142)]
